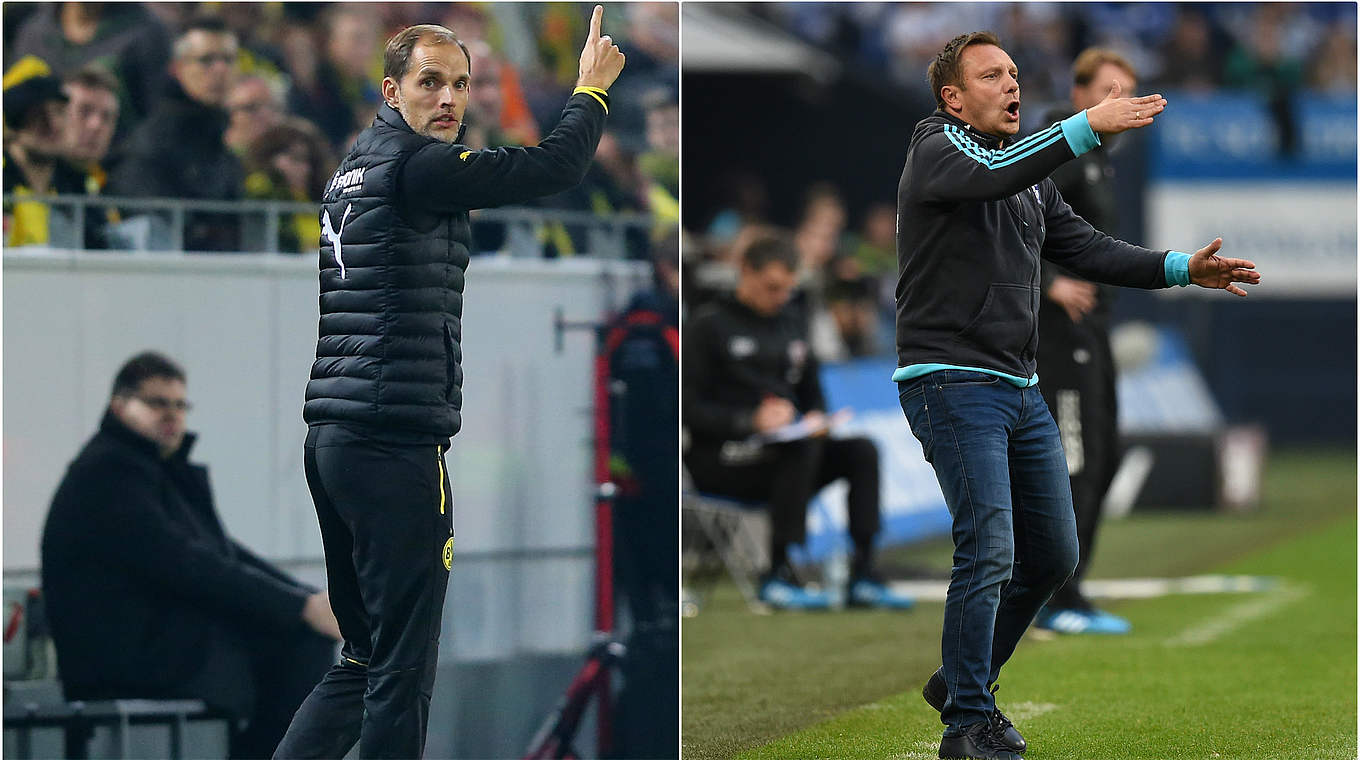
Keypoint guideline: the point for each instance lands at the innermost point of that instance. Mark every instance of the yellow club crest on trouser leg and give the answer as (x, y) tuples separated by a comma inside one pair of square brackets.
[(448, 554)]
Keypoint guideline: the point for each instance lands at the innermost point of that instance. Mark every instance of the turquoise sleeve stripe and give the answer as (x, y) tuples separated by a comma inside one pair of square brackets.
[(913, 371), (1177, 267), (1077, 129), (996, 159), (967, 145)]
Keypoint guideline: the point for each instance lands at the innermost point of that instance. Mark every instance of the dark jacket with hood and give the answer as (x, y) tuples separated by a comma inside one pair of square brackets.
[(974, 217), (145, 593), (394, 249)]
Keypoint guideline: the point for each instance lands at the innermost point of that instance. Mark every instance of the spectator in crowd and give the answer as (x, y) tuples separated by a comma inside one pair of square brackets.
[(1189, 58), (817, 238), (497, 93), (1262, 63), (875, 248), (255, 105), (341, 94), (851, 300), (661, 163), (90, 122), (146, 594), (748, 372), (34, 145), (1333, 67), (257, 27), (1074, 357), (126, 38), (179, 151), (291, 161)]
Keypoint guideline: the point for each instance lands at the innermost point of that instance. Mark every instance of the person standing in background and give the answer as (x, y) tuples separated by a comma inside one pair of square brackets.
[(1074, 356)]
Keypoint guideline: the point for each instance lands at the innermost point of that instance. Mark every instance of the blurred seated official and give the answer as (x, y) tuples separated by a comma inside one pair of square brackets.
[(147, 596), (179, 151), (748, 370)]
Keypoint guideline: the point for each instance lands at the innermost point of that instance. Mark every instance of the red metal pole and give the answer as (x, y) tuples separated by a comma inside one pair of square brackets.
[(604, 542)]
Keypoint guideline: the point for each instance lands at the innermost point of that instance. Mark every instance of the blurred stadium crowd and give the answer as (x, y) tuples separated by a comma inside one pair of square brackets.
[(848, 254), (237, 101)]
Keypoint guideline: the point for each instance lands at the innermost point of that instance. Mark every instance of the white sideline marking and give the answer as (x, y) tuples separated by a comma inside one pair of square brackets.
[(1119, 588), (1235, 617), (1021, 711)]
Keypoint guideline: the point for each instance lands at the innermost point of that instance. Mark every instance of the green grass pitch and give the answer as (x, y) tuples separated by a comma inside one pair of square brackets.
[(1254, 675)]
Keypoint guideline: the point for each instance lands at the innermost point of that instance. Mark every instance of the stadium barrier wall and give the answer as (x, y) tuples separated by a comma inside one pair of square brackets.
[(244, 328)]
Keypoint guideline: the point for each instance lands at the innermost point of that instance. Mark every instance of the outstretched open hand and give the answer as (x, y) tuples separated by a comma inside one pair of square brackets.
[(1209, 270), (1117, 114)]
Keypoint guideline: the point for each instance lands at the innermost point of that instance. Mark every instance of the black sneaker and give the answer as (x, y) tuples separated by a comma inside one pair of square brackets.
[(936, 692), (980, 741)]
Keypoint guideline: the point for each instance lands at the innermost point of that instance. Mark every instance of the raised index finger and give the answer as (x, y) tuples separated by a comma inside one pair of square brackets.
[(595, 22)]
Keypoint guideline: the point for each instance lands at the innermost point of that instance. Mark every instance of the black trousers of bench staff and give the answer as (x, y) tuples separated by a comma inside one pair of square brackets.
[(386, 515), (1077, 380), (788, 475)]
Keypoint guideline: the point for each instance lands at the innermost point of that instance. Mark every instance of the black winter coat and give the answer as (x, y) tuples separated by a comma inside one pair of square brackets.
[(394, 249), (178, 152), (143, 588)]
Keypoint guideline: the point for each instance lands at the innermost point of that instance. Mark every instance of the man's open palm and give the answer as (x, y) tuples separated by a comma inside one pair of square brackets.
[(1209, 270)]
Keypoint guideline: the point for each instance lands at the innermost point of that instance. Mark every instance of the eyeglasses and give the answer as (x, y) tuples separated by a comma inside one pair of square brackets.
[(208, 59), (162, 404), (251, 108)]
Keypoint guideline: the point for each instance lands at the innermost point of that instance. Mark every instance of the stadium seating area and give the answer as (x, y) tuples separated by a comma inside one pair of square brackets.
[(306, 80), (1263, 53)]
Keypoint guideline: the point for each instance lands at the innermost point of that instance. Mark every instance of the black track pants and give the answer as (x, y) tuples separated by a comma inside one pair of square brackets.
[(386, 514), (1077, 380), (789, 475)]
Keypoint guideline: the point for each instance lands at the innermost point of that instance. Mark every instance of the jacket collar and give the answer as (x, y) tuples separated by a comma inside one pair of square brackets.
[(389, 116), (393, 118), (990, 141), (114, 428)]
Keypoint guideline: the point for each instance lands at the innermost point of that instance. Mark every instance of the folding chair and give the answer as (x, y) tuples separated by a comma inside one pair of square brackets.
[(737, 532)]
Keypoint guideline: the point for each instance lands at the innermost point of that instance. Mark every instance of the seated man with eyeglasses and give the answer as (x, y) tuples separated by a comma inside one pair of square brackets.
[(147, 596)]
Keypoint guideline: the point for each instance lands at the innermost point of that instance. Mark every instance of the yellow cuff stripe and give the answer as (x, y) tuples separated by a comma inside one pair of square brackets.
[(594, 92)]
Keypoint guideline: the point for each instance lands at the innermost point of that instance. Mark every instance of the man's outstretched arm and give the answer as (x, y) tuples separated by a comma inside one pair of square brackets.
[(949, 166), (441, 178)]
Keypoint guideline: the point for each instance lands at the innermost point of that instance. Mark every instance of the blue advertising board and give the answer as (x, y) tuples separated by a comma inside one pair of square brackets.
[(1238, 136)]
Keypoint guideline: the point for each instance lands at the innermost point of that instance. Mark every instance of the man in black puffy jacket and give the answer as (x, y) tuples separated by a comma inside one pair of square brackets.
[(386, 386)]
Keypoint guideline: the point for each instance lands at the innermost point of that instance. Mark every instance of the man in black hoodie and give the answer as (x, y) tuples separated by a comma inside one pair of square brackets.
[(178, 151), (975, 214), (386, 389)]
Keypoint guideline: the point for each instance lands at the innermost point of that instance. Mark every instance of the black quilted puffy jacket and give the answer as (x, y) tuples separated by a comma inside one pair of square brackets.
[(394, 250)]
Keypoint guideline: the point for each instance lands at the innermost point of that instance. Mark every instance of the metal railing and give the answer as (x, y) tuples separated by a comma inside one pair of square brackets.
[(159, 224)]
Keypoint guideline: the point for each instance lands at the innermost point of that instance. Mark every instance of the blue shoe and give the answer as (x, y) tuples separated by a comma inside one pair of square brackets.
[(1082, 621), (1104, 622), (784, 595), (869, 592)]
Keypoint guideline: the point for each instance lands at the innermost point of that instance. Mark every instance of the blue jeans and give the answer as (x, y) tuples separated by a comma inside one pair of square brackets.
[(1000, 463)]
